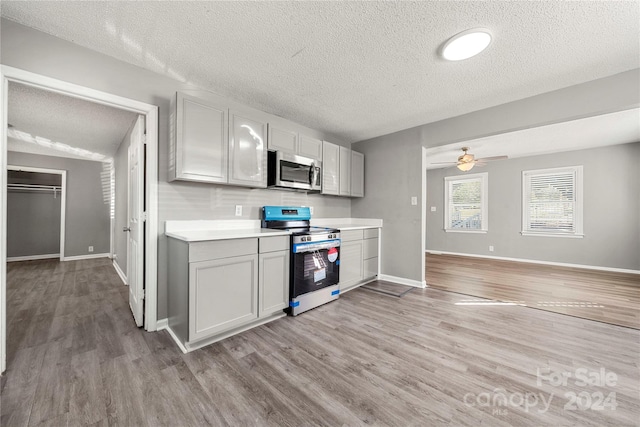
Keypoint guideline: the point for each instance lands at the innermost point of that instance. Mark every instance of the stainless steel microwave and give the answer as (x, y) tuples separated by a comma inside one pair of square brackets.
[(290, 171)]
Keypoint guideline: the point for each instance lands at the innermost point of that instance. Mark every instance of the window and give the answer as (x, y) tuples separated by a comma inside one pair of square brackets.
[(466, 203), (552, 202)]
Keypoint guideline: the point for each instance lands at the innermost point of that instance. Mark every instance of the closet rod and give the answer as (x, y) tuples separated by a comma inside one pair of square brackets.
[(34, 187)]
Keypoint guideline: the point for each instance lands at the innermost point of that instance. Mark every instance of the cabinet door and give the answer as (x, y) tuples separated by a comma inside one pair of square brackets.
[(310, 147), (351, 265), (273, 288), (247, 150), (282, 139), (357, 174), (330, 168), (200, 149), (370, 268), (223, 294), (345, 171)]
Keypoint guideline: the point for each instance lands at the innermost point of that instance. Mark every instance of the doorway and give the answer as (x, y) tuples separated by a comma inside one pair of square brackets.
[(36, 205), (150, 225)]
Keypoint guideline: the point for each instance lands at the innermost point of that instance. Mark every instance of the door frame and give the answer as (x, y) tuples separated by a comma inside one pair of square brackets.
[(63, 196), (11, 74)]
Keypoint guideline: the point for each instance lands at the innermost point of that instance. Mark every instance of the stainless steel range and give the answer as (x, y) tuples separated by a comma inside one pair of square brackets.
[(315, 257)]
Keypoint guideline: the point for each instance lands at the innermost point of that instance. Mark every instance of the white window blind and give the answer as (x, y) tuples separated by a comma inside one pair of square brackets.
[(466, 203), (552, 202)]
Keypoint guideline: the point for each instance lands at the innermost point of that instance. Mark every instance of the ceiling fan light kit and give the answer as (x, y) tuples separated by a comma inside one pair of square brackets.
[(467, 161), (465, 167)]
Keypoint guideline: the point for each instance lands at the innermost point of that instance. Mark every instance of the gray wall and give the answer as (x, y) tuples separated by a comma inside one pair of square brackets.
[(398, 170), (611, 206), (87, 221), (33, 223), (34, 51)]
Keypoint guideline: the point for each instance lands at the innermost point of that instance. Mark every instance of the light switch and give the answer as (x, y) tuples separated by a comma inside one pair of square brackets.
[(414, 200), (433, 208)]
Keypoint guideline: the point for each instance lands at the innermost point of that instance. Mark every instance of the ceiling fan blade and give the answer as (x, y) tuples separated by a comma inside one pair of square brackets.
[(488, 159), (443, 163)]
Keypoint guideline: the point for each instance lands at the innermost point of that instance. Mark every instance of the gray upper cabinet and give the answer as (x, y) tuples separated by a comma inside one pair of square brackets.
[(330, 168), (283, 137), (342, 171), (309, 147), (357, 174), (345, 172), (247, 150), (199, 141)]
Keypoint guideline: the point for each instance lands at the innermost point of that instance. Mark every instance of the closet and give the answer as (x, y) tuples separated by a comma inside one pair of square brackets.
[(34, 212)]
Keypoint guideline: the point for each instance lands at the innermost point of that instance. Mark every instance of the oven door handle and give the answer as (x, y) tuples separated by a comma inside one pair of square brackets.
[(315, 246)]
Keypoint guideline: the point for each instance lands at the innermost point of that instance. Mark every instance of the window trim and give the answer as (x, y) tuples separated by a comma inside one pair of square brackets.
[(484, 202), (578, 232)]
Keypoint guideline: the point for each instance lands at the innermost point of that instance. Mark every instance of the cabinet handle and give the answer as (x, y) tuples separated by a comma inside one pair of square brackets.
[(126, 229)]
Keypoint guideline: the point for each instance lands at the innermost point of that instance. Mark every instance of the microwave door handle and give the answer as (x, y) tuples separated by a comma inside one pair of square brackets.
[(312, 174)]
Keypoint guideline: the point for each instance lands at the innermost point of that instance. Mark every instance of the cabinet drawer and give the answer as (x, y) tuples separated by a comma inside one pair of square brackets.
[(370, 248), (274, 244), (202, 251), (349, 235), (371, 233)]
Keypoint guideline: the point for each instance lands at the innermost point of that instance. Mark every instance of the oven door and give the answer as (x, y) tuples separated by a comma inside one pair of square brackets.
[(292, 171), (314, 266)]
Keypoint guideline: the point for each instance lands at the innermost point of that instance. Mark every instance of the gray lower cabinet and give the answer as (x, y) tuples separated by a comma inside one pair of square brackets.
[(223, 287), (223, 294), (358, 257), (274, 271)]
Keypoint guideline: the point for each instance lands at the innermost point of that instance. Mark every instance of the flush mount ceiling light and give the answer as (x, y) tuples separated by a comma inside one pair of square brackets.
[(466, 44)]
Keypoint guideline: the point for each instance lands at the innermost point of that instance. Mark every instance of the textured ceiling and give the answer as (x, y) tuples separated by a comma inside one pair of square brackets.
[(87, 127), (354, 69)]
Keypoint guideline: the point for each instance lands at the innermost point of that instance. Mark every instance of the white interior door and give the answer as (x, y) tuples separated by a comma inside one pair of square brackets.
[(135, 209)]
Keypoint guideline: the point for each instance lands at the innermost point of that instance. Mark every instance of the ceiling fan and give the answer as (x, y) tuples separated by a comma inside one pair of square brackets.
[(467, 161)]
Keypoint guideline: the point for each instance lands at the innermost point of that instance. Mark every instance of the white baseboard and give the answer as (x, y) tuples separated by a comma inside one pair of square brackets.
[(32, 257), (403, 281), (533, 261), (123, 276), (162, 324), (175, 338), (91, 256)]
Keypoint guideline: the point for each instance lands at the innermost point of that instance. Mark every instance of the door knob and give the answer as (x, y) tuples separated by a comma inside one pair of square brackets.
[(125, 229)]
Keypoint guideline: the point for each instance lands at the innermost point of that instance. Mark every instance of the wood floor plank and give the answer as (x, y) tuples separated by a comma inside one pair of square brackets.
[(77, 358), (611, 297)]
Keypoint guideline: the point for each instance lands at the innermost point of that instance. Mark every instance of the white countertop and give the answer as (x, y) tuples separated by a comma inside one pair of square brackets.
[(347, 223), (203, 230), (204, 235)]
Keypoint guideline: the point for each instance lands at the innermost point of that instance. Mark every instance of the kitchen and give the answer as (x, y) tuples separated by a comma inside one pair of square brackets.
[(186, 201)]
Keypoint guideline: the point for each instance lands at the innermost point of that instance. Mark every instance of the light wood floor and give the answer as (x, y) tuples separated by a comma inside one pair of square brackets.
[(590, 294), (76, 358)]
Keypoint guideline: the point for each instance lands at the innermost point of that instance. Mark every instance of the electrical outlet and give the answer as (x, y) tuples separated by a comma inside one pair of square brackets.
[(433, 208), (311, 210), (90, 248), (490, 248), (414, 200), (238, 210)]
